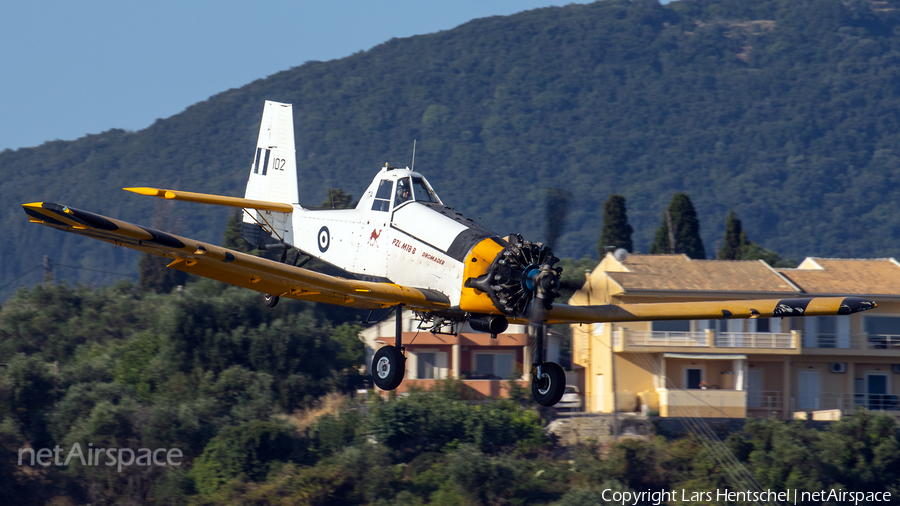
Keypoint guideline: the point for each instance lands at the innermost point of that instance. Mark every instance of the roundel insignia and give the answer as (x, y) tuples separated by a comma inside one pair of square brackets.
[(324, 239)]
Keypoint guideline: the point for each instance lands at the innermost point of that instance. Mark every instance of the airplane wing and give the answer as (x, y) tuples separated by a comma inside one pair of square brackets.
[(759, 308), (234, 267), (218, 200)]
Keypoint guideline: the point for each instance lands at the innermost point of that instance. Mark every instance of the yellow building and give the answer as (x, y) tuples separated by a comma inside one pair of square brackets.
[(737, 368)]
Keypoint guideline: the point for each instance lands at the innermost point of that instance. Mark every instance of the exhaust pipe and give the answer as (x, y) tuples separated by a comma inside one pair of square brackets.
[(493, 325)]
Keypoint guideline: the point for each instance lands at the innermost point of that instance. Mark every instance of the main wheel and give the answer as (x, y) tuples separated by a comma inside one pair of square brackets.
[(388, 367), (549, 388), (270, 300)]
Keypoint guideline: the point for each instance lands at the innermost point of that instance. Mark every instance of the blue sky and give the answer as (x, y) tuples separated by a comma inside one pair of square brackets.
[(76, 68)]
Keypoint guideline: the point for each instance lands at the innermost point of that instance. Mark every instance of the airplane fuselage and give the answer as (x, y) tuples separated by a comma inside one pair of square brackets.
[(412, 241)]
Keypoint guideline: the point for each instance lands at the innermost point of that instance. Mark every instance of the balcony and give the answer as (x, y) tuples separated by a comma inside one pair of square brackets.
[(845, 402), (659, 338), (754, 340), (861, 342), (702, 403), (706, 341)]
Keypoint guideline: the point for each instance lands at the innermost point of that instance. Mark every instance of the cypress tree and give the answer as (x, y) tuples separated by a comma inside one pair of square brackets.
[(734, 240), (232, 238), (680, 230), (337, 199), (660, 244), (154, 276), (616, 230)]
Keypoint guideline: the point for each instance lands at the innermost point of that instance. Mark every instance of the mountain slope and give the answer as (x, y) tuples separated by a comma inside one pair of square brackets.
[(785, 111)]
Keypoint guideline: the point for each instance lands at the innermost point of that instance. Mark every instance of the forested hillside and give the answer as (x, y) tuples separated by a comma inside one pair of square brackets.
[(787, 111), (256, 402)]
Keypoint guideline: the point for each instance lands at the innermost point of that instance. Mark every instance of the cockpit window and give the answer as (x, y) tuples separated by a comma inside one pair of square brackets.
[(422, 192), (404, 191), (383, 196)]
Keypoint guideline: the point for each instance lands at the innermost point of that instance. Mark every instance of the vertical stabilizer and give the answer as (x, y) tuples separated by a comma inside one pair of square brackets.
[(273, 175)]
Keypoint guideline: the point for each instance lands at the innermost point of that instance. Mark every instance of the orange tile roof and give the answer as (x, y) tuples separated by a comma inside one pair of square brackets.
[(880, 276), (680, 273)]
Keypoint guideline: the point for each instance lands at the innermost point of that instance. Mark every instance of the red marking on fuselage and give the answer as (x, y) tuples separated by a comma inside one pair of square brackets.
[(373, 238)]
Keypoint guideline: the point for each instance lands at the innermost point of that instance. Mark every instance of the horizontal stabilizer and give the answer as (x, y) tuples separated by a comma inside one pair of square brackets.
[(218, 200)]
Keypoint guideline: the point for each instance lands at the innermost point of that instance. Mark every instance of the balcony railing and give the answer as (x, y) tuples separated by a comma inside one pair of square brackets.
[(845, 402), (703, 339), (856, 341), (660, 338), (764, 399), (753, 340)]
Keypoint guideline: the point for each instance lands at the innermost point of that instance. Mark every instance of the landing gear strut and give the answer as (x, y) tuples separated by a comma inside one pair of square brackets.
[(389, 364), (548, 382)]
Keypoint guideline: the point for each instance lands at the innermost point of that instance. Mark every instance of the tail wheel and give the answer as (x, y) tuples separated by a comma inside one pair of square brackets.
[(388, 367), (270, 300), (550, 387)]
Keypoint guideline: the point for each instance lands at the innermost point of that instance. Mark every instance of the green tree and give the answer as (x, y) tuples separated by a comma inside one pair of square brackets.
[(680, 230), (734, 238), (232, 237), (337, 199), (736, 246), (616, 230), (154, 276)]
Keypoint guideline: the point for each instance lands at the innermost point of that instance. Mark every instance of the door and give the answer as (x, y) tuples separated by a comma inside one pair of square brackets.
[(692, 378), (755, 388), (808, 390), (877, 388)]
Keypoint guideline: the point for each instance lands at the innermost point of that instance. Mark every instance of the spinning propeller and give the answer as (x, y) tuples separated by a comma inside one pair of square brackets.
[(522, 282)]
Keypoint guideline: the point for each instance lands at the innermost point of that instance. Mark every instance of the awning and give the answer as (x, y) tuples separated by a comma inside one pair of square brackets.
[(704, 356)]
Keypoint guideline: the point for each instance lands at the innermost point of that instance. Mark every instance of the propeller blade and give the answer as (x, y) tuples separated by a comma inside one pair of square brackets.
[(556, 207)]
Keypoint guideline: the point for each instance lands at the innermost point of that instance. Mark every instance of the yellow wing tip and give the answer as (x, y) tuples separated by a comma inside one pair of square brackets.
[(143, 190)]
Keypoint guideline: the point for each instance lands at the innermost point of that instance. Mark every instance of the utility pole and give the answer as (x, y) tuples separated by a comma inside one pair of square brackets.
[(48, 272)]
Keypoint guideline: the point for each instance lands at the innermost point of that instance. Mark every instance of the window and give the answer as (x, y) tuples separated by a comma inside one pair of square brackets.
[(672, 326), (493, 365), (383, 196), (884, 331), (427, 364), (826, 337), (422, 192), (404, 192), (426, 368)]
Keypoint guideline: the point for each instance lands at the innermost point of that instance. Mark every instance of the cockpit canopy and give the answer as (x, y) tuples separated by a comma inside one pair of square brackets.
[(394, 187)]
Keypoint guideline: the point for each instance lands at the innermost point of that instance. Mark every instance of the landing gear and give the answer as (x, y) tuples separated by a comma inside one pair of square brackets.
[(549, 384), (388, 367), (389, 364), (270, 300)]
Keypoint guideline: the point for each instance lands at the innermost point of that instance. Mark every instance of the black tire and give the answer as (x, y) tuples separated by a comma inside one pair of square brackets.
[(270, 300), (388, 367), (549, 389)]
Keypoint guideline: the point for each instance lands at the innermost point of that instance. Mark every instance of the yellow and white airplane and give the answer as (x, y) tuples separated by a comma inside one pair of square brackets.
[(404, 247)]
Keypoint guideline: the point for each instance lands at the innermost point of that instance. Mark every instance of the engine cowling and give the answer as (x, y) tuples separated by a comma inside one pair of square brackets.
[(522, 272)]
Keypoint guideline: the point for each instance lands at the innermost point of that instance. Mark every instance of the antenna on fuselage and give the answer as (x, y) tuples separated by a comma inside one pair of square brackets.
[(414, 156)]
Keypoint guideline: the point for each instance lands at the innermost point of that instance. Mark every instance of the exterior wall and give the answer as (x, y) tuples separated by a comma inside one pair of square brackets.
[(635, 381)]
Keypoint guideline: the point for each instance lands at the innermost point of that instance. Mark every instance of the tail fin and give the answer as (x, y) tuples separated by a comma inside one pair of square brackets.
[(273, 175)]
